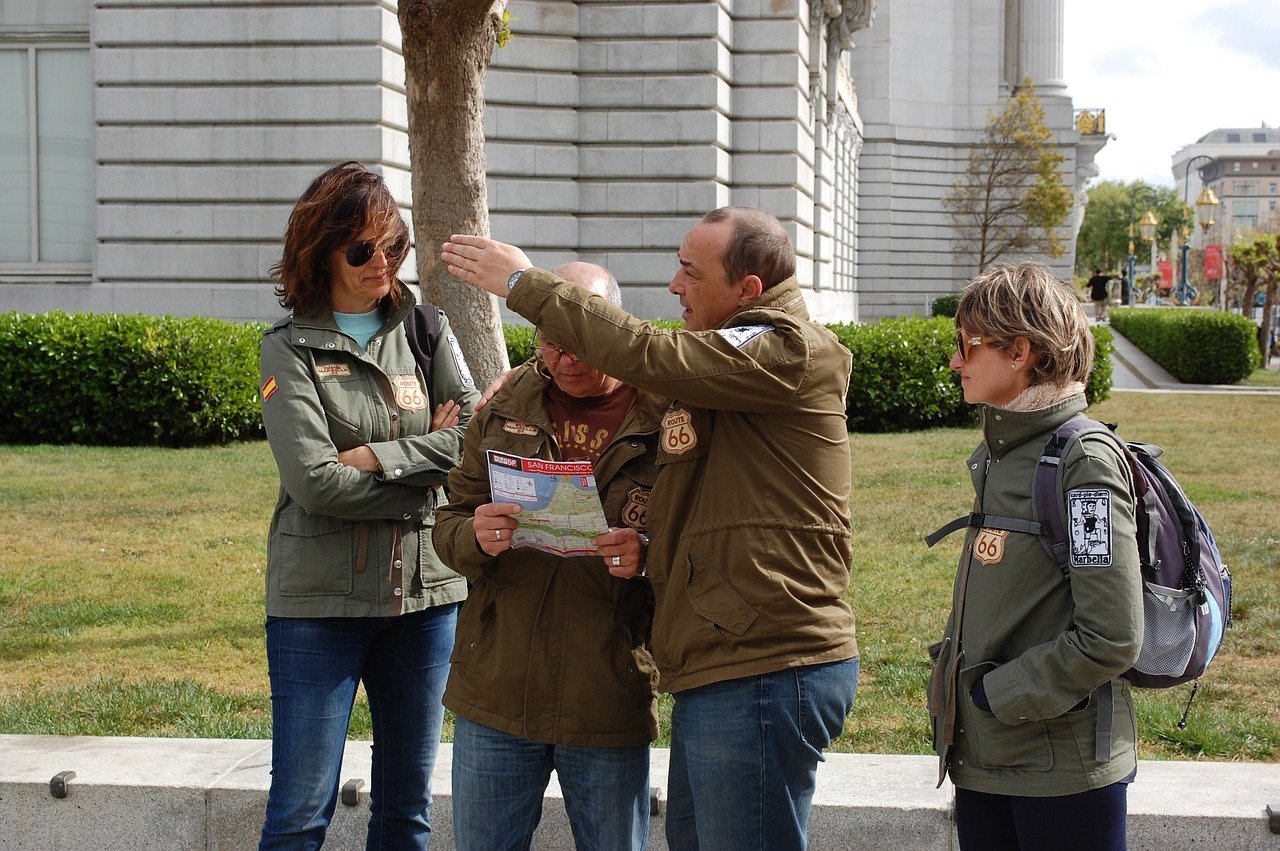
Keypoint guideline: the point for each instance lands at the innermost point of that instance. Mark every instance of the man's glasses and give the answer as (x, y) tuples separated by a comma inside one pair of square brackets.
[(550, 353), (963, 344), (360, 253)]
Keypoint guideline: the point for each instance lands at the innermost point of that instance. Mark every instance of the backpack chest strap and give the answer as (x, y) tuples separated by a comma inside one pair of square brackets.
[(978, 520)]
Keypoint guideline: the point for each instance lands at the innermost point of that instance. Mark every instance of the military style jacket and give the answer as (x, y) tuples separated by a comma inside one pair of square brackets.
[(749, 519), (344, 542), (1043, 643), (552, 649)]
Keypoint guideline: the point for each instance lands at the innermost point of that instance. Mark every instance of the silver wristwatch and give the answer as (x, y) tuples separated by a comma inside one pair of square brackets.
[(515, 276)]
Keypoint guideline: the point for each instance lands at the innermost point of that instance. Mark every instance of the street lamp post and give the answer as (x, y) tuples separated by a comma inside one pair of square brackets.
[(1205, 204), (1147, 229), (1129, 296)]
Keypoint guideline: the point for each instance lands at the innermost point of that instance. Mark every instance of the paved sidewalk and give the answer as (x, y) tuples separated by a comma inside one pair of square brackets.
[(1133, 370)]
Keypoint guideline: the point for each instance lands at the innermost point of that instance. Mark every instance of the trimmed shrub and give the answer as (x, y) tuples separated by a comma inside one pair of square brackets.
[(519, 340), (901, 380), (946, 305), (1098, 388), (1195, 346), (117, 380)]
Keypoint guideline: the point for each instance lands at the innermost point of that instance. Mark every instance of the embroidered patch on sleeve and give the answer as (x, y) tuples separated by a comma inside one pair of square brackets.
[(269, 388), (467, 380), (1089, 520), (743, 334)]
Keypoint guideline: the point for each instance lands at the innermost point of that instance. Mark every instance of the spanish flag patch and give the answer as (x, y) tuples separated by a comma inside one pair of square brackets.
[(269, 388)]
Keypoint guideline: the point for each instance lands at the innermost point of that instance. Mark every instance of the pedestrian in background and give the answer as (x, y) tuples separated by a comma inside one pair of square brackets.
[(364, 440), (1099, 295)]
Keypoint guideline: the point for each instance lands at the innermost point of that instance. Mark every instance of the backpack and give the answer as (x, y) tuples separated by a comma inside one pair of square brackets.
[(1186, 594), (422, 328)]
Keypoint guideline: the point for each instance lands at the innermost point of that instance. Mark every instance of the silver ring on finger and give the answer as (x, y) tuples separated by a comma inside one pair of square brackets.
[(497, 534), (617, 561)]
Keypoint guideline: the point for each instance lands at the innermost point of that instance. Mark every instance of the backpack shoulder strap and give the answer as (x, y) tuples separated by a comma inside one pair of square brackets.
[(1049, 503), (422, 328)]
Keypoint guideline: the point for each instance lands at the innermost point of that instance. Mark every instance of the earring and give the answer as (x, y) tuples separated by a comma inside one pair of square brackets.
[(1013, 366)]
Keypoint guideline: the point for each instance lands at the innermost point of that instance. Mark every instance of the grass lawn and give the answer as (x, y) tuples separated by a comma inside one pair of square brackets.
[(131, 582), (1263, 378)]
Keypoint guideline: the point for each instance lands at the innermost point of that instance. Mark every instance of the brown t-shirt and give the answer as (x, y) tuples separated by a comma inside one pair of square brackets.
[(584, 426)]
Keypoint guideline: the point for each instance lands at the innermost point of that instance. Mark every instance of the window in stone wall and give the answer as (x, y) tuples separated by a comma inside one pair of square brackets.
[(46, 156), (845, 155)]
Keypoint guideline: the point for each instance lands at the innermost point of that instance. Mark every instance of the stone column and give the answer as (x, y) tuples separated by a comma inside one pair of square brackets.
[(1041, 25)]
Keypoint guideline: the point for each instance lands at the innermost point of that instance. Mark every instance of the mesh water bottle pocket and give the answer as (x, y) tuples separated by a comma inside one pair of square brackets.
[(1169, 630)]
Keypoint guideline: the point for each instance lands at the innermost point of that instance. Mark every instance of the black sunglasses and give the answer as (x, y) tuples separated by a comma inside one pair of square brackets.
[(360, 253)]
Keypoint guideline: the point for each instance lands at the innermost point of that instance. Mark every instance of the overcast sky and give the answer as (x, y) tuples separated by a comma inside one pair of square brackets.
[(1169, 72)]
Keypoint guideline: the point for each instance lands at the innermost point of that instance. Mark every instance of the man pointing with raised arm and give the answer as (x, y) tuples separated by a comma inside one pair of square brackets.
[(748, 519)]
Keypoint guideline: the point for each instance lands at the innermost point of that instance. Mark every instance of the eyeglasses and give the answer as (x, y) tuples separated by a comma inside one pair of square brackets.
[(360, 253), (550, 353), (963, 344)]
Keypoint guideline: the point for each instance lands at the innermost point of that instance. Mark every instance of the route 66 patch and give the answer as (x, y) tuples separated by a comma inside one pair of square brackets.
[(1089, 525), (678, 435), (409, 395), (989, 547)]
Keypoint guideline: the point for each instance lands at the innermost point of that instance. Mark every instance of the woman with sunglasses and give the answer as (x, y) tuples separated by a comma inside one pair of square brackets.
[(1030, 717), (364, 442)]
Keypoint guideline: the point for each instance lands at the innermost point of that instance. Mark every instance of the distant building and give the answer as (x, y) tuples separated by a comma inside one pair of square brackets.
[(150, 152), (1242, 167)]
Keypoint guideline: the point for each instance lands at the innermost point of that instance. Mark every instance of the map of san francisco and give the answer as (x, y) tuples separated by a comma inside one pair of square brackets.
[(562, 511)]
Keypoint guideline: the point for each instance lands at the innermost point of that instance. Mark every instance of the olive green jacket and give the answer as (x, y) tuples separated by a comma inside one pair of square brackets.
[(344, 542), (749, 518), (552, 649), (1043, 644)]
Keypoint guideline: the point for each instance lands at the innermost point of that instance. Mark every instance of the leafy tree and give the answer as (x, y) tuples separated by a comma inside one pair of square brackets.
[(1256, 263), (447, 47), (1011, 197), (1103, 241)]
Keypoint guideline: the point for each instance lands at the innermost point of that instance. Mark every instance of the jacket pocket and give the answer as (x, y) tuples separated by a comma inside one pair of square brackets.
[(995, 743), (315, 555), (714, 599)]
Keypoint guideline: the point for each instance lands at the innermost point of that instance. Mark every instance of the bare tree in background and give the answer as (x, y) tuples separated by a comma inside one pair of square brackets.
[(447, 48), (1011, 197)]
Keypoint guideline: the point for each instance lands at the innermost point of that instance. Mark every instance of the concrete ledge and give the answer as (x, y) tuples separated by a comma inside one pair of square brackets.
[(211, 793)]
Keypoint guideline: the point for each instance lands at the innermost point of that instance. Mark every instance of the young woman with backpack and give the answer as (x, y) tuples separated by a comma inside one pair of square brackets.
[(1031, 719)]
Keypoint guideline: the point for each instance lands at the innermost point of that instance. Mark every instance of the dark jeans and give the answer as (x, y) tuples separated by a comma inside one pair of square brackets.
[(314, 665), (1094, 820)]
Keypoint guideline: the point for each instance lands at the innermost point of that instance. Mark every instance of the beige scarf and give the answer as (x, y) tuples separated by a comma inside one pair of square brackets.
[(1039, 396)]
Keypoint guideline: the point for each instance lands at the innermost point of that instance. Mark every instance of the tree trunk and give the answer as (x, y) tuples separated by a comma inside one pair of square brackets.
[(447, 46)]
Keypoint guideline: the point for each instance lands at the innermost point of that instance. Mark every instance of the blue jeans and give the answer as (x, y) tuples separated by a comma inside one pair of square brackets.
[(499, 780), (745, 754), (314, 665)]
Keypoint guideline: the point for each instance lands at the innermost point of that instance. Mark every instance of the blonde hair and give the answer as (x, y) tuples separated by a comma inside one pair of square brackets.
[(1027, 300)]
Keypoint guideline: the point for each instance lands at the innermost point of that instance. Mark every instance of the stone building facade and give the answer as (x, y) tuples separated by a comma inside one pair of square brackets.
[(162, 142)]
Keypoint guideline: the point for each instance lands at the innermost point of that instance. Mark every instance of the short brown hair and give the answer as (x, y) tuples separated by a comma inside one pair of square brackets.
[(758, 246), (1027, 300), (338, 205)]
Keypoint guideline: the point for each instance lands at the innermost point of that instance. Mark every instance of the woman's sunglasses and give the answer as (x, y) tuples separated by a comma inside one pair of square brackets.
[(360, 253)]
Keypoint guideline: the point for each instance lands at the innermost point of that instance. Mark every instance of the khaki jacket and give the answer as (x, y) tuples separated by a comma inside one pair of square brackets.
[(749, 518), (343, 542), (552, 649), (1043, 644)]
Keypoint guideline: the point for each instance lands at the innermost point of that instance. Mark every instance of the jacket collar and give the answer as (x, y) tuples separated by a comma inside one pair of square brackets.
[(785, 297), (319, 329), (522, 398), (1003, 430)]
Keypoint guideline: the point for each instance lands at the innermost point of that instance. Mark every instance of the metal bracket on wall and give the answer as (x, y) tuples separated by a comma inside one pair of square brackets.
[(58, 785), (351, 792)]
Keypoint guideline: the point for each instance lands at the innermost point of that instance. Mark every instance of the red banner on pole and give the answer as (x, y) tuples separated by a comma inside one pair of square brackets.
[(1166, 274), (1213, 262)]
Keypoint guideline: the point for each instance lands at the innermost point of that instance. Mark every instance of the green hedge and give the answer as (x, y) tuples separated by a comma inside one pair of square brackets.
[(111, 379), (946, 305), (1195, 346)]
